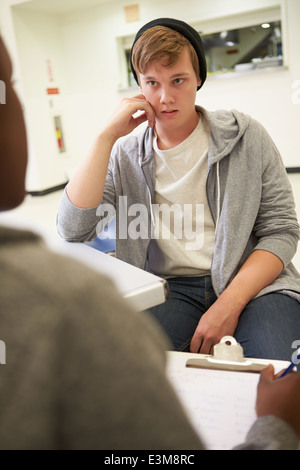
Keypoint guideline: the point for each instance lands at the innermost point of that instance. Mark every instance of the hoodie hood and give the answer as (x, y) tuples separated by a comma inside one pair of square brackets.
[(226, 129)]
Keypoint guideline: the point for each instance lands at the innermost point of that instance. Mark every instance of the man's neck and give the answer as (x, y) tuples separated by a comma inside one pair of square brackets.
[(170, 138)]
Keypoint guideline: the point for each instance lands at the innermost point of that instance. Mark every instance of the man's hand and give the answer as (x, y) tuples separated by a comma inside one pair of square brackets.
[(217, 322), (123, 121), (279, 397), (221, 319), (86, 186)]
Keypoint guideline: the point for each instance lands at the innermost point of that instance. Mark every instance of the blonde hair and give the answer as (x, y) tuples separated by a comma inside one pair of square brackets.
[(161, 43)]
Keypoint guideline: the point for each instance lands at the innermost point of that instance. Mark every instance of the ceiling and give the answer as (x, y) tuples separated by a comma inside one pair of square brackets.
[(58, 6)]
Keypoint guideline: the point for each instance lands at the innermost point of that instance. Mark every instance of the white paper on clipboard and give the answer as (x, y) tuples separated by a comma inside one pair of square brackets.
[(219, 403)]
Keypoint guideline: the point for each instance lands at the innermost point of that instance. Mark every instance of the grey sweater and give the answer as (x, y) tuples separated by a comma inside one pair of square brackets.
[(248, 192), (83, 371)]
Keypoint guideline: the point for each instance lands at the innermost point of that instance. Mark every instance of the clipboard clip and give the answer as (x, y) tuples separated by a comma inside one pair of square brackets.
[(228, 355)]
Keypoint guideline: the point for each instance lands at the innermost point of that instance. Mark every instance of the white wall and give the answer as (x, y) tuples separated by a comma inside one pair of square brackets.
[(82, 46), (39, 40)]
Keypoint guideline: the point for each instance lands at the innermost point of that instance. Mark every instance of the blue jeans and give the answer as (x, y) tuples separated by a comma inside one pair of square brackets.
[(268, 328)]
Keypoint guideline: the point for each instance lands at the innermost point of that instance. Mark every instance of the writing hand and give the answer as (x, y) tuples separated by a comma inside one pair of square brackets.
[(279, 397)]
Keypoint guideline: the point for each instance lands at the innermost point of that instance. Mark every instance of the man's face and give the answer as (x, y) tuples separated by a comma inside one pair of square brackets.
[(171, 91)]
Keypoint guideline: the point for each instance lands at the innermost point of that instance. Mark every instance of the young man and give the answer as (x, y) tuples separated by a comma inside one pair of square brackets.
[(215, 183), (77, 355)]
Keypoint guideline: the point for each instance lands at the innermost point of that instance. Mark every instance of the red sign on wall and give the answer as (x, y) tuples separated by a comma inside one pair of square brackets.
[(52, 91)]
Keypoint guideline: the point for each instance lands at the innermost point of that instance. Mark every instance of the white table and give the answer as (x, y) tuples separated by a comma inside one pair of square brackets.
[(142, 289)]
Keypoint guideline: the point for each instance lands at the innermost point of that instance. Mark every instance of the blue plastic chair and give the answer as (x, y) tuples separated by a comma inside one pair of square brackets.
[(106, 240)]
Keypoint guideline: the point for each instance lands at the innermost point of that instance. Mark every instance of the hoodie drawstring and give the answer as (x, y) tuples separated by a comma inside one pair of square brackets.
[(218, 197)]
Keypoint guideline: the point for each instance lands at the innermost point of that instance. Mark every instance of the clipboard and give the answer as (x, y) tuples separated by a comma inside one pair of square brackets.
[(219, 403), (228, 355)]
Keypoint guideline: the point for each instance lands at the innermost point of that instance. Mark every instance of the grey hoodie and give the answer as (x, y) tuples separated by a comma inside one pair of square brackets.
[(248, 192)]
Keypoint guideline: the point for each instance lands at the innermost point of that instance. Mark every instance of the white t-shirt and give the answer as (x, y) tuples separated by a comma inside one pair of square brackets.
[(184, 232)]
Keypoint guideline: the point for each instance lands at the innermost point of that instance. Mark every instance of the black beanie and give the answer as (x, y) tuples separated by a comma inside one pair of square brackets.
[(187, 31)]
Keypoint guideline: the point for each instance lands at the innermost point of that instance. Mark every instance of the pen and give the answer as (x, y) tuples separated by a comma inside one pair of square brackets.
[(292, 364)]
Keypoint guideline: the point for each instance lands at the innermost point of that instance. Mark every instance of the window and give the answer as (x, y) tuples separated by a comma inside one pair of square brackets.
[(250, 48)]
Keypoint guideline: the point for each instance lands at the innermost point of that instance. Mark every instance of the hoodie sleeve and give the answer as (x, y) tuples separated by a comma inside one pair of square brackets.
[(276, 225), (76, 224)]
